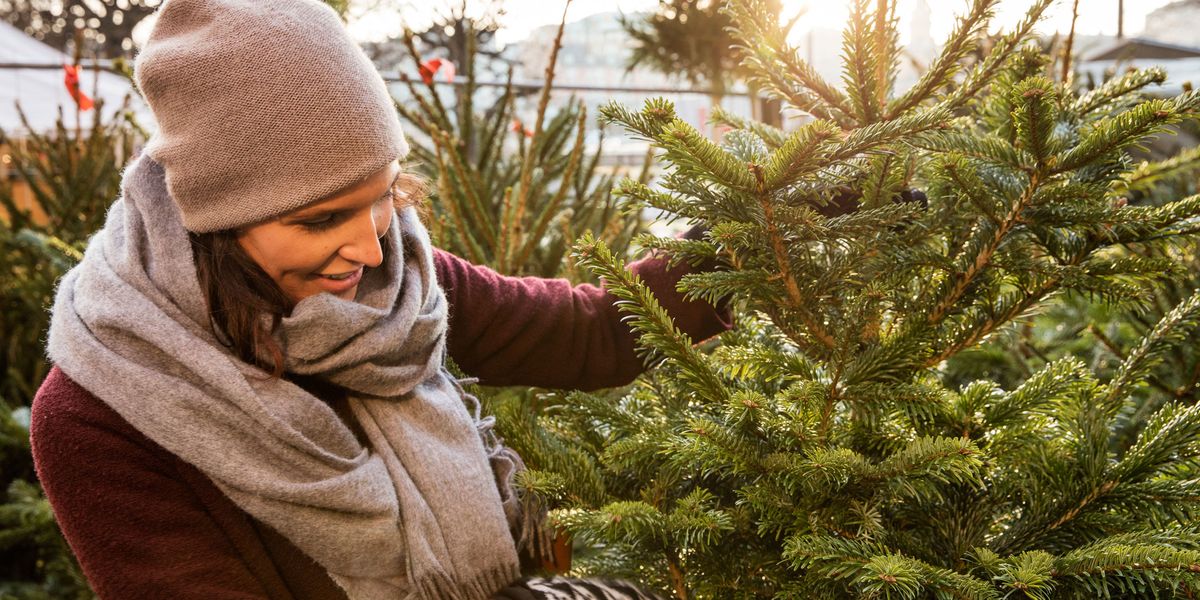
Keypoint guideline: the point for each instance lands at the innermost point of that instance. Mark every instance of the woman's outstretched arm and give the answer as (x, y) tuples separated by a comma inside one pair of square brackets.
[(548, 333)]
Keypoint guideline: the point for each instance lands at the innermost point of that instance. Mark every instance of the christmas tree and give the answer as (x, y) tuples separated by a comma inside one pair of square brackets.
[(72, 177), (508, 193), (822, 450)]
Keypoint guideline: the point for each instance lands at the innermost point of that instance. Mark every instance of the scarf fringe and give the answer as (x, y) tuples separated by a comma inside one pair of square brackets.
[(526, 512), (483, 586)]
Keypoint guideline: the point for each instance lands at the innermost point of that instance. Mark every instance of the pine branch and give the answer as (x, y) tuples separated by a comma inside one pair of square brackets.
[(635, 192), (1034, 117), (1068, 49), (979, 145), (474, 251), (986, 240), (766, 76), (773, 137), (648, 124), (1171, 330), (945, 461), (687, 148), (1159, 500), (760, 363), (1147, 223), (1102, 568), (1118, 88), (799, 155), (1118, 132), (885, 44), (941, 71), (764, 49), (866, 138), (1048, 385), (548, 211), (1149, 175), (890, 360), (985, 71), (783, 262), (578, 475), (860, 65), (1171, 435), (979, 331), (514, 207), (874, 571), (693, 252), (1029, 574), (658, 331), (481, 218)]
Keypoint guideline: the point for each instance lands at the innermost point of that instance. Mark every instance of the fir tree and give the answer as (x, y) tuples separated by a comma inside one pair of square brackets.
[(103, 28), (1101, 334), (507, 193), (693, 38), (820, 451), (72, 180)]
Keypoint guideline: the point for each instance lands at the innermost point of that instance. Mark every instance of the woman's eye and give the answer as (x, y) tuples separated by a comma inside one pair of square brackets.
[(319, 224)]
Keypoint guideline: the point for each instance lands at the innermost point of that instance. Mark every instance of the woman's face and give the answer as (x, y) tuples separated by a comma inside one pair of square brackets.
[(325, 246)]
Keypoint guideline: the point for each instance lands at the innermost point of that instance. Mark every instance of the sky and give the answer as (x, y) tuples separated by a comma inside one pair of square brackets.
[(1096, 16)]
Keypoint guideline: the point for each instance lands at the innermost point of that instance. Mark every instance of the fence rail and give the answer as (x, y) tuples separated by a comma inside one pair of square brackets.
[(396, 77)]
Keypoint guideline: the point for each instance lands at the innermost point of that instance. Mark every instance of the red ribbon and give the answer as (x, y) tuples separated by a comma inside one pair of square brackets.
[(71, 79), (430, 68), (519, 127)]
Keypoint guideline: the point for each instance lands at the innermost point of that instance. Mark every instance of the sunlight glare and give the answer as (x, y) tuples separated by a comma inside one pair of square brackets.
[(1095, 16)]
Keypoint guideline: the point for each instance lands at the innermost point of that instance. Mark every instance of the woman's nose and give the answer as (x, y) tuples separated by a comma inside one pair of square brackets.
[(363, 245)]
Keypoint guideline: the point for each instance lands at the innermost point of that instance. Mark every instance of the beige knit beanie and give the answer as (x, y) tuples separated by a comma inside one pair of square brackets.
[(263, 106)]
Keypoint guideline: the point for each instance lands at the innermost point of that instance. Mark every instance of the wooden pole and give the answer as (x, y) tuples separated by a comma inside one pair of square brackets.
[(1069, 48), (1120, 19)]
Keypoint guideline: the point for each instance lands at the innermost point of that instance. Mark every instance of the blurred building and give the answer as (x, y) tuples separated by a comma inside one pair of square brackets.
[(1170, 39), (1176, 23), (592, 67)]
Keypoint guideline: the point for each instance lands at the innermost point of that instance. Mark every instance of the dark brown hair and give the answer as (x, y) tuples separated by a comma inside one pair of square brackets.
[(244, 303)]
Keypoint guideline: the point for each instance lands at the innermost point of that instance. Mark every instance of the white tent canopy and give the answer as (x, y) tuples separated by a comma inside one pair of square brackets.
[(40, 90)]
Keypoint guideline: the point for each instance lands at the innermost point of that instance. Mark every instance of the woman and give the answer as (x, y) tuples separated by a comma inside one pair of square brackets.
[(249, 398)]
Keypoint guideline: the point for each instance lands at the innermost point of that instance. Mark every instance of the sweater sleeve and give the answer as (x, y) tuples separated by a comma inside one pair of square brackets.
[(137, 526), (547, 333)]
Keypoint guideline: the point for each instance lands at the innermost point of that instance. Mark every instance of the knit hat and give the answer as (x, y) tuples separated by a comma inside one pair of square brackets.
[(263, 107)]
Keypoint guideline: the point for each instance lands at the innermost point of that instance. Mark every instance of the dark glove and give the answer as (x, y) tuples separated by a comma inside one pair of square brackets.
[(540, 588), (846, 202)]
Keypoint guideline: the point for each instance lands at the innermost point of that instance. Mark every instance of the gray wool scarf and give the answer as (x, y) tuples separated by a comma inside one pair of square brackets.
[(414, 513)]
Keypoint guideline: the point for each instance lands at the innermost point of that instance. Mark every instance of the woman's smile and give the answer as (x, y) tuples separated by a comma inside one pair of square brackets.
[(342, 283), (325, 247)]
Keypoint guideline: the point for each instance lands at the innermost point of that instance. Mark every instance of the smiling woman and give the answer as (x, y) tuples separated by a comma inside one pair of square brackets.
[(251, 353), (267, 267)]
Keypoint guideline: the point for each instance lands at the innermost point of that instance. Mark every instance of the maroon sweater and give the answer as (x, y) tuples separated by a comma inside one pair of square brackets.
[(145, 524)]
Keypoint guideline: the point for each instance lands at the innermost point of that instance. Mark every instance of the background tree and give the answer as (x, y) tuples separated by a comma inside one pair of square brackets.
[(105, 26), (507, 192), (452, 26), (74, 178), (692, 38), (446, 38)]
